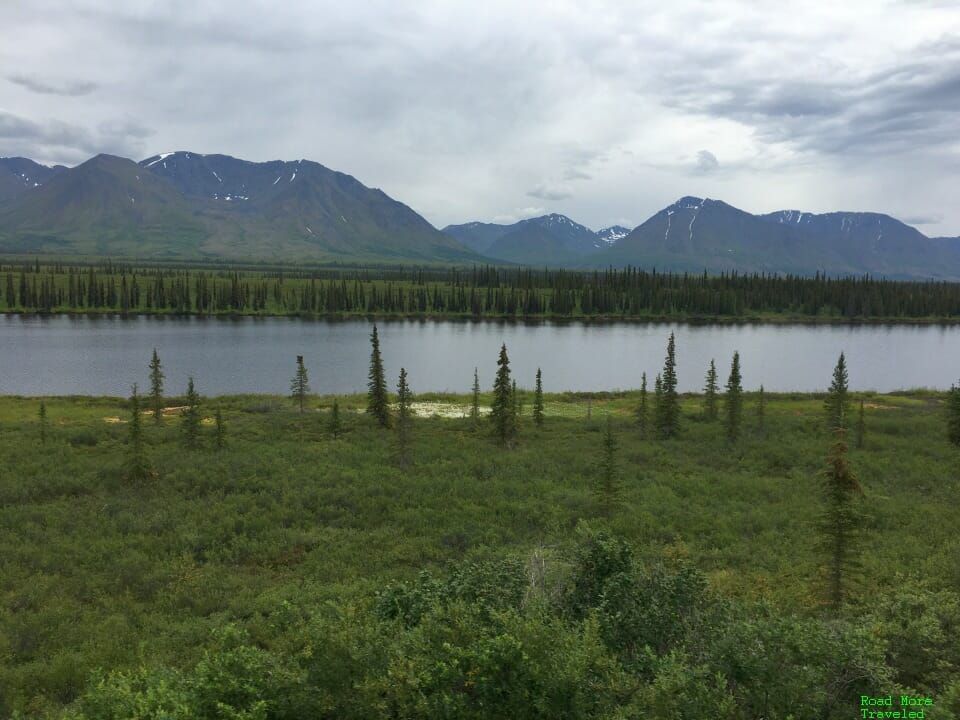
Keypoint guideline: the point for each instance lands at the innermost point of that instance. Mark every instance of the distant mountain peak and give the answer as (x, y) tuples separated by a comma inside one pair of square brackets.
[(610, 235), (689, 202), (183, 203)]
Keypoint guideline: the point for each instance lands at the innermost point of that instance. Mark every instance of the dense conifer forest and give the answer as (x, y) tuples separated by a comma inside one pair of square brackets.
[(467, 292)]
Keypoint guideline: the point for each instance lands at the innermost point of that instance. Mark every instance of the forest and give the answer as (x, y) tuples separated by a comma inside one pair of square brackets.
[(474, 292), (610, 555)]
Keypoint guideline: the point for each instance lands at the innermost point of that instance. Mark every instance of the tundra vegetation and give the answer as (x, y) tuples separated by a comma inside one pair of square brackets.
[(290, 575)]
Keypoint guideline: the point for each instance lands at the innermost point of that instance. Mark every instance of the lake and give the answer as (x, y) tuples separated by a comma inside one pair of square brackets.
[(104, 355)]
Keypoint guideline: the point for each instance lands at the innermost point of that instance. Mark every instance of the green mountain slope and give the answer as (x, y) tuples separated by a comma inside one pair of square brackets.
[(191, 205)]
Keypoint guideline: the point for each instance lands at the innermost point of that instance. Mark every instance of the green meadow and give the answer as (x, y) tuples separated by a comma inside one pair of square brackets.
[(291, 574)]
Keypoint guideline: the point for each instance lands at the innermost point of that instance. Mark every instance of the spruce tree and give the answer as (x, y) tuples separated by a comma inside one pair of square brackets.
[(953, 415), (299, 385), (840, 524), (642, 411), (837, 405), (136, 465), (334, 425), (43, 423), (710, 393), (538, 401), (670, 414), (377, 400), (404, 399), (861, 426), (220, 439), (516, 401), (156, 387), (734, 400), (608, 487), (658, 403), (502, 412), (762, 412), (191, 417), (475, 405)]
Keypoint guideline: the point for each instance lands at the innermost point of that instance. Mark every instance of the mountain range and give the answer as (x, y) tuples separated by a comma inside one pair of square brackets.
[(555, 239), (189, 205)]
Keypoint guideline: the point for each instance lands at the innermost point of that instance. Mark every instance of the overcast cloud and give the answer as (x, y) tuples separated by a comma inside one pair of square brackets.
[(603, 111)]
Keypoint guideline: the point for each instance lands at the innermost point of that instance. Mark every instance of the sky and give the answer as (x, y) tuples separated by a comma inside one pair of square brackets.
[(496, 111)]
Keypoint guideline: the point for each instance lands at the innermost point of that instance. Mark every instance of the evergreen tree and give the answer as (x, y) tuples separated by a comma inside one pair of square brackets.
[(837, 405), (156, 387), (710, 393), (670, 401), (502, 412), (608, 487), (861, 426), (191, 417), (43, 423), (953, 415), (220, 439), (334, 425), (762, 412), (516, 402), (299, 386), (136, 466), (404, 399), (658, 403), (642, 413), (734, 400), (538, 401), (377, 401), (475, 406), (840, 524)]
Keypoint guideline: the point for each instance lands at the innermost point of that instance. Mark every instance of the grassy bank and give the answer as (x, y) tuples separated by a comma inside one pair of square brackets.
[(98, 573)]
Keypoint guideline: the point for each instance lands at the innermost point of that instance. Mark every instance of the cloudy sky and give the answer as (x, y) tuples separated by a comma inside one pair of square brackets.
[(494, 111)]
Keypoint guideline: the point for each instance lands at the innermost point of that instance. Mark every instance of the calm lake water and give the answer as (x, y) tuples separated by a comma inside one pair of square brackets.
[(63, 355)]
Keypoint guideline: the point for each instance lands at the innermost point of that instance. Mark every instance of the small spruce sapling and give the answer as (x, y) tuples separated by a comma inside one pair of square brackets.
[(299, 385), (156, 387), (762, 412), (191, 417), (377, 400), (538, 401), (404, 398), (710, 393), (334, 424), (608, 488), (642, 410), (43, 423), (475, 404), (136, 466), (734, 400), (502, 413), (837, 405)]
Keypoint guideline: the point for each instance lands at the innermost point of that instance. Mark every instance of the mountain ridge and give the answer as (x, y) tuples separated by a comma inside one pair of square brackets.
[(186, 204), (163, 207)]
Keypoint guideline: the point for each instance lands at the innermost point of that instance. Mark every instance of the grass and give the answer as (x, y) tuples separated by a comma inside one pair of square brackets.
[(95, 572)]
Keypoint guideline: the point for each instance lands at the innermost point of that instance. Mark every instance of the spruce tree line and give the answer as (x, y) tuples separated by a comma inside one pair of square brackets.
[(480, 291)]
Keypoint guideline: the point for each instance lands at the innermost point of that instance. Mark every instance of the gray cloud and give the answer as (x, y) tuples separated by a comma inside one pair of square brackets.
[(911, 105), (931, 219), (707, 161), (69, 88), (73, 143), (458, 110), (548, 192)]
